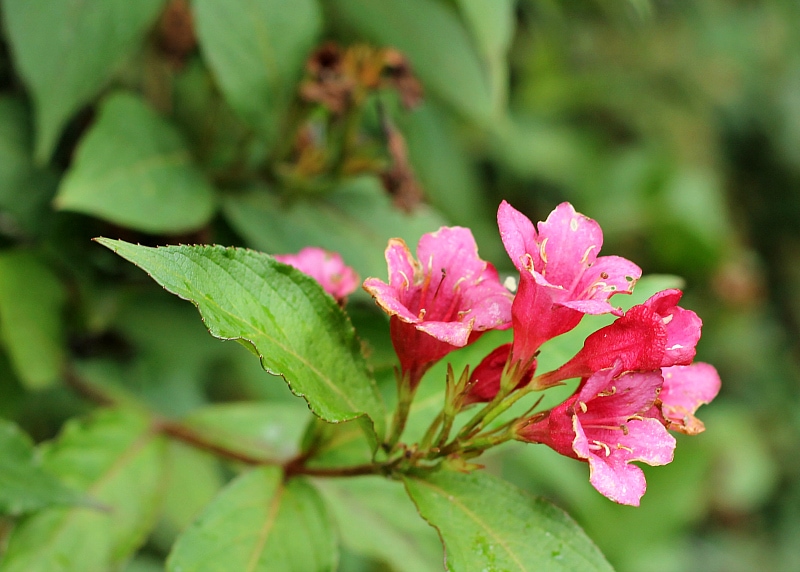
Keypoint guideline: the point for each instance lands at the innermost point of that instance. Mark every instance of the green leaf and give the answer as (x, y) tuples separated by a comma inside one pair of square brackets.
[(357, 220), (31, 302), (67, 51), (25, 190), (257, 49), (492, 26), (115, 458), (265, 430), (259, 523), (432, 36), (298, 331), (376, 518), (133, 169), (24, 485), (488, 524)]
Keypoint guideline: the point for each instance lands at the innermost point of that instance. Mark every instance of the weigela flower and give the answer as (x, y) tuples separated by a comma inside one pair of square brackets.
[(327, 268), (656, 334), (687, 387), (443, 301), (561, 276), (484, 381), (608, 423)]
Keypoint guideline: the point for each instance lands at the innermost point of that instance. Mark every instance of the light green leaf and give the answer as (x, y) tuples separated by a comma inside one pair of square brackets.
[(488, 524), (31, 302), (376, 518), (257, 49), (115, 458), (436, 43), (264, 430), (259, 523), (67, 51), (357, 220), (492, 26), (133, 169), (298, 330), (24, 485)]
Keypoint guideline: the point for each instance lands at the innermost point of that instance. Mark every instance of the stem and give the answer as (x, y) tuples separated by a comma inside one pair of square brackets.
[(407, 383), (191, 437), (428, 438)]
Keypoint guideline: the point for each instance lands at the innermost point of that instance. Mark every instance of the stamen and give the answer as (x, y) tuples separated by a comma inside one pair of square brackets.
[(573, 225), (586, 254), (603, 446), (667, 319), (624, 448), (624, 429), (543, 252), (405, 278), (608, 392), (583, 407)]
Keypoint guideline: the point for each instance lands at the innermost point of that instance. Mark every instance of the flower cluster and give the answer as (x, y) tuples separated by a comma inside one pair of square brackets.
[(636, 376)]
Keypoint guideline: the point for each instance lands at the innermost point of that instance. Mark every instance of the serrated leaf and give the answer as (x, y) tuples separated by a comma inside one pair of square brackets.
[(117, 460), (357, 220), (67, 51), (259, 523), (264, 430), (376, 518), (487, 524), (436, 43), (133, 169), (24, 485), (256, 50), (298, 330), (31, 302)]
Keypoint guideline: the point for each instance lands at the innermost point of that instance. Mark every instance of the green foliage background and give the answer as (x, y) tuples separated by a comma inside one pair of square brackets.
[(674, 124)]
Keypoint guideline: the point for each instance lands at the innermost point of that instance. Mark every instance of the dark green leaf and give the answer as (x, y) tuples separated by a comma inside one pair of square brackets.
[(357, 220), (31, 302), (435, 42), (115, 458), (256, 49), (133, 169), (24, 485), (299, 331), (488, 524), (67, 51), (376, 518), (259, 523), (25, 189)]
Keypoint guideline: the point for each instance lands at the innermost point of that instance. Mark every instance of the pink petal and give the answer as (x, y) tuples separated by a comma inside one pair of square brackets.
[(619, 397), (609, 275), (570, 243), (686, 388), (402, 269), (327, 268), (519, 236), (454, 333), (387, 298)]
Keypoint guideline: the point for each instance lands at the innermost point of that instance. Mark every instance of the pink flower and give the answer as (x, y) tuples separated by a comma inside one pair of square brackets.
[(656, 334), (687, 387), (561, 276), (327, 268), (443, 302), (608, 424)]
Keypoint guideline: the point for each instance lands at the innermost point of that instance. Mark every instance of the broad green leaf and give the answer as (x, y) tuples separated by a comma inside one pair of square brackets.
[(357, 220), (264, 430), (25, 189), (24, 485), (31, 302), (193, 479), (488, 524), (492, 26), (257, 49), (436, 43), (376, 518), (133, 169), (259, 523), (67, 51), (116, 459), (297, 330)]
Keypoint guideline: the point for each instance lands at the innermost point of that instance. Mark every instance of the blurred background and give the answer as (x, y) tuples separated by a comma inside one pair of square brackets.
[(675, 124)]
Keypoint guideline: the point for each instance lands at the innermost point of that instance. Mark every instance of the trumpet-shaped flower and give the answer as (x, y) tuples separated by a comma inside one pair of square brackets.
[(656, 334), (327, 268), (608, 423), (440, 302), (561, 276)]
